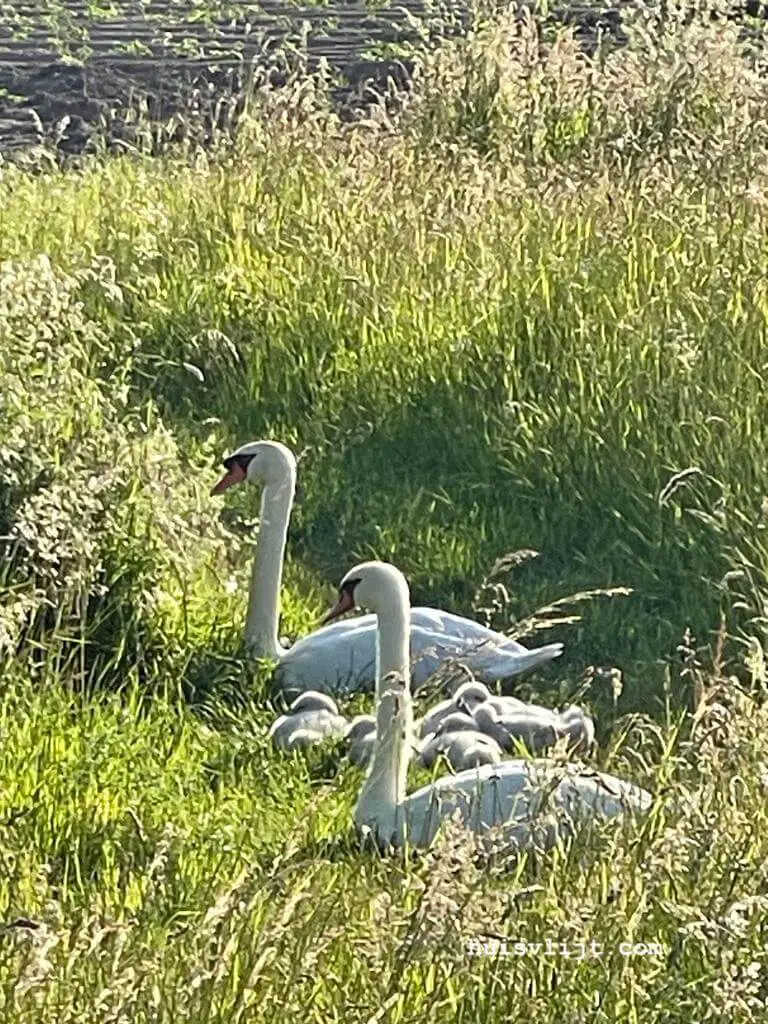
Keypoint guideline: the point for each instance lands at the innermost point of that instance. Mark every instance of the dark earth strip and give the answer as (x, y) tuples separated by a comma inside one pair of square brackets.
[(72, 70)]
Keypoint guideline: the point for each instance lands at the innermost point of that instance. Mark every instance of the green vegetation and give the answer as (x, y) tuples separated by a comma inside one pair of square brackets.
[(527, 312)]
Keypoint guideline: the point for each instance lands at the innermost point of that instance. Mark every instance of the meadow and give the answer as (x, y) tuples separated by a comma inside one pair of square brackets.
[(522, 309)]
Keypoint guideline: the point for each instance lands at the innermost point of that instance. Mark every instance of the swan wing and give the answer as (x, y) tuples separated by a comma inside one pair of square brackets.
[(472, 634), (341, 658), (515, 794), (485, 659), (461, 628)]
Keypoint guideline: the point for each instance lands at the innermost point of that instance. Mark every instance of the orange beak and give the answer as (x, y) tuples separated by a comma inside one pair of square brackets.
[(234, 475), (345, 603)]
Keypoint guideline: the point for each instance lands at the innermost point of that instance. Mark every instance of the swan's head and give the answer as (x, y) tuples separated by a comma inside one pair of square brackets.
[(266, 462), (374, 585)]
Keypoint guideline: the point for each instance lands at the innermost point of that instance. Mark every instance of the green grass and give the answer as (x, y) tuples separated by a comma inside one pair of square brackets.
[(526, 313)]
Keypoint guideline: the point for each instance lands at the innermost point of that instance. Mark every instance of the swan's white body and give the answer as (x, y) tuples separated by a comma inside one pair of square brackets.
[(537, 727), (535, 801), (341, 658), (311, 718)]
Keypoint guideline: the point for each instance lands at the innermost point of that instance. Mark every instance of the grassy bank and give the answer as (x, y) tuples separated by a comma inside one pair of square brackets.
[(529, 313)]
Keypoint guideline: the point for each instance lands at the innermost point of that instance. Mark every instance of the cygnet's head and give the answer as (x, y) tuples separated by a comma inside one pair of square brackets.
[(456, 722), (265, 462), (312, 700), (374, 585), (359, 727), (480, 752), (469, 695), (302, 739), (485, 715)]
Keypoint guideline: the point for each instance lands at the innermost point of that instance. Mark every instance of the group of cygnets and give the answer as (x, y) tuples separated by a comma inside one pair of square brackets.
[(471, 728)]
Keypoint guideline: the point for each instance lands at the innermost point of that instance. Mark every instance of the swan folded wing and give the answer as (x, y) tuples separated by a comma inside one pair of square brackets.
[(486, 661), (341, 657), (466, 630), (604, 795), (480, 798), (532, 800), (478, 638)]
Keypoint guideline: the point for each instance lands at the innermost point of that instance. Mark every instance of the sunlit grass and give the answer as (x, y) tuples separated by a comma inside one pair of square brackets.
[(161, 869), (527, 313), (481, 352)]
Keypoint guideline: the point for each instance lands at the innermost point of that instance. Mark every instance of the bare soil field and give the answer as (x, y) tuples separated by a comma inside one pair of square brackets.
[(70, 67)]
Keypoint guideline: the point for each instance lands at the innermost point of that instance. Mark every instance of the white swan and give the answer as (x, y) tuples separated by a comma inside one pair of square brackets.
[(342, 657), (311, 718), (535, 801), (537, 727)]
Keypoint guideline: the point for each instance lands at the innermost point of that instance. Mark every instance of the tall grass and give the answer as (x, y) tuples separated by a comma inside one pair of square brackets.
[(524, 311), (157, 868)]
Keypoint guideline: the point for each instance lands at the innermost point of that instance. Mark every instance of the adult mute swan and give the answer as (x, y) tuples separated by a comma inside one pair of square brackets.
[(342, 658), (535, 801), (311, 718)]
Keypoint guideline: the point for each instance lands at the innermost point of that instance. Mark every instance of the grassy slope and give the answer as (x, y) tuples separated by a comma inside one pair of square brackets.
[(503, 326)]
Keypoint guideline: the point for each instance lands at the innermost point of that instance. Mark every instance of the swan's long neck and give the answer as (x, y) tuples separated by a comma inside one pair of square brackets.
[(393, 638), (262, 620), (384, 789)]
